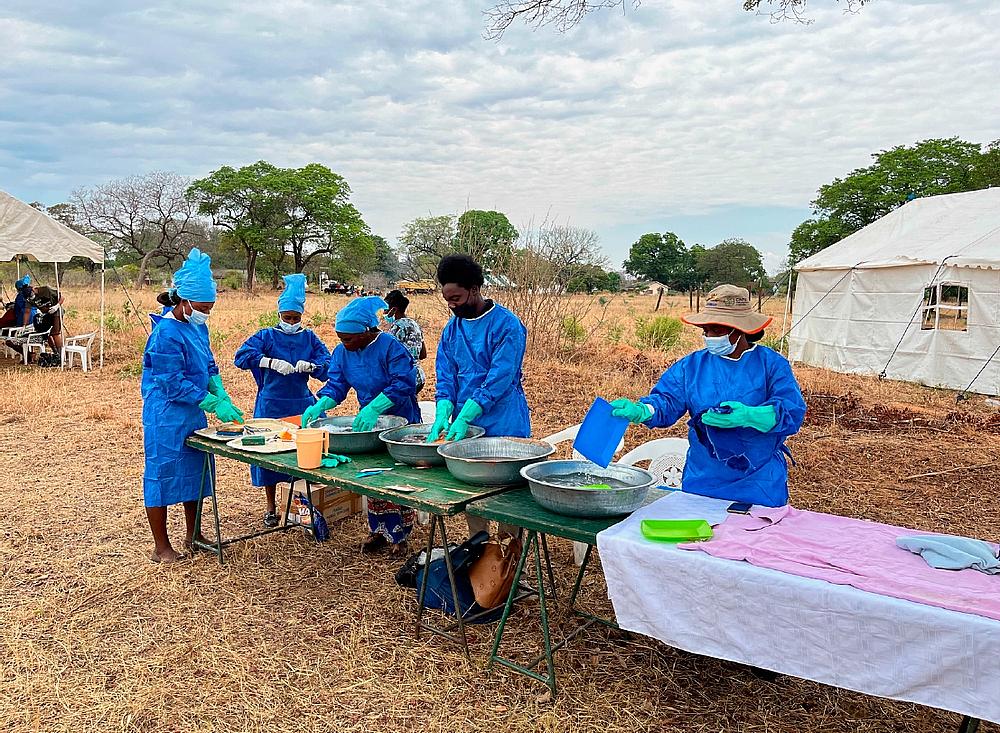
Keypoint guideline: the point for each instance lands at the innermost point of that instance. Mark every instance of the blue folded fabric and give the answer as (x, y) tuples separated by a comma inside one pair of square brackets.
[(952, 553)]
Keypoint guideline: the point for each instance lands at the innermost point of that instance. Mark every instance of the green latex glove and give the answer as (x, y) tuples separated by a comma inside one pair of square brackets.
[(442, 414), (332, 460), (634, 412), (314, 411), (210, 402), (228, 412), (215, 387), (469, 412), (368, 417), (762, 419)]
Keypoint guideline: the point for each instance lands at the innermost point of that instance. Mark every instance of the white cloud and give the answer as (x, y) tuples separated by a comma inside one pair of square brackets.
[(679, 108)]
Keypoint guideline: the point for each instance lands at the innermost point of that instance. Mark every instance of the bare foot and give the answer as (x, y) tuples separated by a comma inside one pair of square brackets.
[(166, 556)]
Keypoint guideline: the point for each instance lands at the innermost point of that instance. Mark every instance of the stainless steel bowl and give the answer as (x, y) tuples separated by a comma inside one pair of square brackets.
[(548, 491), (418, 454), (493, 461), (366, 442)]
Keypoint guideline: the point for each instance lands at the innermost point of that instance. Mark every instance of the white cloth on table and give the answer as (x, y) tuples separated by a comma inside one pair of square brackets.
[(807, 628)]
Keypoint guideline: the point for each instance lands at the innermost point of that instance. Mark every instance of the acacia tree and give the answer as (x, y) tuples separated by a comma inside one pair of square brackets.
[(423, 242), (566, 14), (146, 217), (663, 258), (733, 260)]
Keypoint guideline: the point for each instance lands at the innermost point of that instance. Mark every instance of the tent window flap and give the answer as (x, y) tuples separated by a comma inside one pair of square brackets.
[(945, 307)]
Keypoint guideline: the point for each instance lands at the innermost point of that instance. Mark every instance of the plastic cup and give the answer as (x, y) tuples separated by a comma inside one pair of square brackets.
[(310, 444)]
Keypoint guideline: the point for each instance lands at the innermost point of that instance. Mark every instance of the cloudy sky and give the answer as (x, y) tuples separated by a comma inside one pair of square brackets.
[(683, 115)]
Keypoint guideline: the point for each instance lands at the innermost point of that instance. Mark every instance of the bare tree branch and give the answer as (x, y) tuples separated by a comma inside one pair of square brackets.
[(563, 14)]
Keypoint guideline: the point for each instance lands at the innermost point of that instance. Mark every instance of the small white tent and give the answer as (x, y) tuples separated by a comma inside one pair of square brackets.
[(914, 296), (27, 232)]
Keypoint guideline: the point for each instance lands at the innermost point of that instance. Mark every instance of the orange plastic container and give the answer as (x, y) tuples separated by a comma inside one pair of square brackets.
[(310, 444)]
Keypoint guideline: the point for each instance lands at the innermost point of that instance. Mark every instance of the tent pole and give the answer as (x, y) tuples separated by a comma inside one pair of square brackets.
[(102, 314), (785, 312), (56, 266), (17, 259)]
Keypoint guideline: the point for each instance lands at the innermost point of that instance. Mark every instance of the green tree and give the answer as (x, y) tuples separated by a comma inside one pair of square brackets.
[(423, 242), (814, 235), (587, 279), (734, 261), (985, 170), (664, 258), (613, 282), (246, 204), (486, 235), (386, 260)]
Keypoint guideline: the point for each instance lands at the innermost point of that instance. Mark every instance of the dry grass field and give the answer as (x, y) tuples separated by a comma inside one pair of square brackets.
[(294, 636)]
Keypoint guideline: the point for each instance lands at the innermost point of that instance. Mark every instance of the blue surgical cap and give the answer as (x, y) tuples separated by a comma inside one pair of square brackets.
[(194, 280), (23, 282), (360, 314), (294, 297)]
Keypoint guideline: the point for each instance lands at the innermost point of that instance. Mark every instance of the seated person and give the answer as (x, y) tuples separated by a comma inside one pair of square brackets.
[(48, 319)]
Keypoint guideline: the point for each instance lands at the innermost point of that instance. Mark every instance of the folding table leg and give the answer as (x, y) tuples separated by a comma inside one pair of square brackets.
[(969, 725), (312, 510), (546, 636), (215, 512), (548, 566), (423, 579), (510, 599), (454, 586), (207, 470)]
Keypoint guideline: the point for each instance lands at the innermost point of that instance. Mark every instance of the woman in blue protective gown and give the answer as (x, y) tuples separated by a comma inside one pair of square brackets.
[(383, 375), (180, 383), (478, 364), (281, 360), (742, 399)]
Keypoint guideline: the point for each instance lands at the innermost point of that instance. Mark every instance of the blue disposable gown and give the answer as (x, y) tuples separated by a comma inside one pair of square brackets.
[(738, 464), (20, 306), (480, 359), (281, 396), (383, 366), (176, 366)]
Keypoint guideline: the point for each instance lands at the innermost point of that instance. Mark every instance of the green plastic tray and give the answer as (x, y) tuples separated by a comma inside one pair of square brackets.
[(676, 530)]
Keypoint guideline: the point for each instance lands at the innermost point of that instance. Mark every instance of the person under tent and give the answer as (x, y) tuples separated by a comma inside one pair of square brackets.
[(382, 374), (282, 359), (742, 399)]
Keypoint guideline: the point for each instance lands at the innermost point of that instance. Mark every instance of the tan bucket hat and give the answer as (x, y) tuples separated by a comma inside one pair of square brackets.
[(729, 305)]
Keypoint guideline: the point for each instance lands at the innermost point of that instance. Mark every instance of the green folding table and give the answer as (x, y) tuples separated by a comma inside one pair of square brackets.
[(436, 492), (518, 508)]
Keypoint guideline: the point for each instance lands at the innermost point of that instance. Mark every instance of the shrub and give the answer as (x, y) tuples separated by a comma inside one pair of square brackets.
[(615, 333), (660, 332), (267, 319), (234, 280), (572, 330), (778, 343), (317, 319)]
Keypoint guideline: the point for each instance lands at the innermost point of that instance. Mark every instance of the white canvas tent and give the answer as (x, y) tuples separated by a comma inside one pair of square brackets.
[(27, 232), (915, 295)]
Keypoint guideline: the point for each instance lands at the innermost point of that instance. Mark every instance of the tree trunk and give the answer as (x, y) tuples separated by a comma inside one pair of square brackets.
[(251, 268), (140, 278)]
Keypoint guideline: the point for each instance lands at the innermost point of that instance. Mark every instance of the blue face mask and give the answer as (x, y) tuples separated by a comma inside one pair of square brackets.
[(389, 319), (719, 345), (289, 328), (196, 317)]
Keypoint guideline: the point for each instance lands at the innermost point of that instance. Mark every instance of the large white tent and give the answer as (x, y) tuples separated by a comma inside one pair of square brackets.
[(27, 232), (914, 296)]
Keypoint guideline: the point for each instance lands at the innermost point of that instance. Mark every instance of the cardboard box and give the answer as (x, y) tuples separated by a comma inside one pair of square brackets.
[(334, 504)]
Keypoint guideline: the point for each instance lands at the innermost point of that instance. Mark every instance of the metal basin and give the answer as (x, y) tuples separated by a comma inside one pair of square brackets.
[(418, 454), (493, 461), (366, 442), (547, 481)]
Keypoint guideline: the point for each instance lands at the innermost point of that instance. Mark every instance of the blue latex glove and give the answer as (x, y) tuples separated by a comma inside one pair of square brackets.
[(762, 418), (314, 411), (368, 417), (634, 412), (332, 460), (469, 412), (442, 414)]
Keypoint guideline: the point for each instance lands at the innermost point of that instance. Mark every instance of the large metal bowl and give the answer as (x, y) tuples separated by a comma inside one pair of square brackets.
[(552, 494), (493, 461), (366, 442), (418, 454)]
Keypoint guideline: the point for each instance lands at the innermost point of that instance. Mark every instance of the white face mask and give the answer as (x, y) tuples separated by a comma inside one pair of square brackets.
[(289, 328), (719, 345), (195, 317)]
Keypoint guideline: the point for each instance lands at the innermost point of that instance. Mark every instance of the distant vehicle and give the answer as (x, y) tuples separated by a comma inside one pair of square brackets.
[(419, 287)]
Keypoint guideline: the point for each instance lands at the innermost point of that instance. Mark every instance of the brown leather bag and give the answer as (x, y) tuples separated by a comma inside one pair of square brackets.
[(492, 574)]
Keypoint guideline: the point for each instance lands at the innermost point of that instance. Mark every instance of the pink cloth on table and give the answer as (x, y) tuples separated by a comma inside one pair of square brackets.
[(851, 552)]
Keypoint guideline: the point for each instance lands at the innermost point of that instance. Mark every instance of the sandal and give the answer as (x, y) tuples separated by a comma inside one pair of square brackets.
[(375, 544), (271, 519)]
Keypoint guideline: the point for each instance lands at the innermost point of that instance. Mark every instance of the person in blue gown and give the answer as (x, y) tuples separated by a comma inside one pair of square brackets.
[(180, 383), (383, 375), (478, 363), (24, 313), (742, 400), (281, 360)]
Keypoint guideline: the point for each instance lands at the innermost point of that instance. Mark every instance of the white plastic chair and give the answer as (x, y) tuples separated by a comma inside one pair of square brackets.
[(34, 341), (666, 458), (579, 548), (79, 345)]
